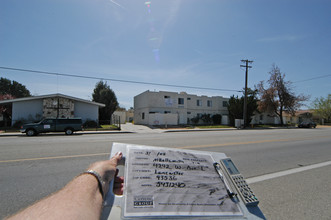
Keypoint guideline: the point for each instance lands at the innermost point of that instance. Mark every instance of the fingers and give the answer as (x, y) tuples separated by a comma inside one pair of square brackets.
[(116, 158), (118, 185), (119, 179)]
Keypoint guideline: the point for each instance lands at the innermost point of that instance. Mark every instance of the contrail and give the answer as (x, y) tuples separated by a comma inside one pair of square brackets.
[(117, 4)]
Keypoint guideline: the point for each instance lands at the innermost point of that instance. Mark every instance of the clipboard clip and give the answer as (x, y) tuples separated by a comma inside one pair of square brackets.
[(217, 167)]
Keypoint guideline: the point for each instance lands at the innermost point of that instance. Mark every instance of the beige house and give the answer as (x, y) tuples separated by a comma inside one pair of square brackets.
[(171, 108), (122, 116), (272, 118)]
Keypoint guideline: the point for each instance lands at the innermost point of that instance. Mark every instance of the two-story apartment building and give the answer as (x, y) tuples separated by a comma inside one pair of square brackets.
[(171, 108)]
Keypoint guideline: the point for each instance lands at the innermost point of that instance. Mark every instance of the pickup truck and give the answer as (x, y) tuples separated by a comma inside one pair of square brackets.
[(67, 125)]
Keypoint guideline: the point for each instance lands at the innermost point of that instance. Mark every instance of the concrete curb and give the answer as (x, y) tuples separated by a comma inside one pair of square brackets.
[(194, 130), (9, 134), (136, 132)]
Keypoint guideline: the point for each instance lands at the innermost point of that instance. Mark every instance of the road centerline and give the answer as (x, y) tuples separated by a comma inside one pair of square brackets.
[(55, 157), (182, 147)]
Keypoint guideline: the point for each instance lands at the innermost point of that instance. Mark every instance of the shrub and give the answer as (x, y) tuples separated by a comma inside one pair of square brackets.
[(195, 120), (90, 124), (18, 124), (217, 119), (206, 118)]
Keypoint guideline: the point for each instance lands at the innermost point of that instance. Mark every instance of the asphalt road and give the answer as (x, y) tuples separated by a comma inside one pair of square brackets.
[(33, 167)]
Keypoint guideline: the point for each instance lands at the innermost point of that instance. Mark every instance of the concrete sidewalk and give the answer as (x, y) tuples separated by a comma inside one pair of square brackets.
[(146, 129), (129, 127)]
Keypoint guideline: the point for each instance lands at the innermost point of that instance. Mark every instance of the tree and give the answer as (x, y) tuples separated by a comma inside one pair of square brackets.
[(6, 110), (13, 88), (103, 94), (322, 107), (279, 98), (236, 106), (10, 90)]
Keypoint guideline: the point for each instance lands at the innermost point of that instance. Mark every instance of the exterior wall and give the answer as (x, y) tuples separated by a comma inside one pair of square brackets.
[(141, 116), (121, 115), (163, 119), (86, 111), (264, 118), (58, 107), (184, 105), (129, 115), (225, 120), (30, 111)]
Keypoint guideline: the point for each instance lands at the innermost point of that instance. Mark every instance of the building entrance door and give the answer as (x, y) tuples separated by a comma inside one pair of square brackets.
[(182, 118)]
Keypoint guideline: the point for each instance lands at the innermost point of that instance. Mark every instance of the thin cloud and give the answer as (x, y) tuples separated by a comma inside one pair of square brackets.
[(281, 38)]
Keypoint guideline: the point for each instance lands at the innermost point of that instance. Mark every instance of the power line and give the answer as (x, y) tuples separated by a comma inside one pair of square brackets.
[(115, 80), (317, 77)]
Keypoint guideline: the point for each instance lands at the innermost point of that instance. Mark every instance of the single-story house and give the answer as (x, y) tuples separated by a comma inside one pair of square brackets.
[(35, 108), (272, 118), (122, 116)]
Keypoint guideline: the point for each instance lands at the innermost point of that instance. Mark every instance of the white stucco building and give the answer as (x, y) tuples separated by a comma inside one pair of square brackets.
[(55, 105), (171, 108)]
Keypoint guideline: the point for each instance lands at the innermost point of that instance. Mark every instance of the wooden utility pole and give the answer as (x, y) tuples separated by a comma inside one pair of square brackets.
[(245, 100)]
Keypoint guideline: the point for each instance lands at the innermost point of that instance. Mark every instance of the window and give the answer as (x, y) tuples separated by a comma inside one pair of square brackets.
[(167, 97), (261, 117), (225, 104), (209, 103), (180, 101), (48, 121), (199, 102), (188, 98), (143, 115), (188, 113), (167, 112)]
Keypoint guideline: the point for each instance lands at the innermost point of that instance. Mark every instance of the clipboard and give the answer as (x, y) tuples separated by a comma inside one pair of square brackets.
[(173, 184)]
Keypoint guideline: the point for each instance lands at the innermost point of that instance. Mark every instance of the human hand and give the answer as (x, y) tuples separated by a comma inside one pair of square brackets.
[(107, 170), (118, 184)]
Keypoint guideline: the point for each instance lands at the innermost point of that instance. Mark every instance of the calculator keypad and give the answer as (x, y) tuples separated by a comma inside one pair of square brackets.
[(246, 192)]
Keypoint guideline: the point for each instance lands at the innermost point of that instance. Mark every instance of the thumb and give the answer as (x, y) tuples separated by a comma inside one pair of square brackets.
[(116, 158)]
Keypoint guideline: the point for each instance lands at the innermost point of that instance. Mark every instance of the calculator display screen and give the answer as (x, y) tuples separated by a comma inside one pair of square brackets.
[(230, 166)]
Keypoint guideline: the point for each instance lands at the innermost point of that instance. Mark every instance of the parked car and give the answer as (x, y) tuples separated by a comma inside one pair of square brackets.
[(67, 125), (307, 124)]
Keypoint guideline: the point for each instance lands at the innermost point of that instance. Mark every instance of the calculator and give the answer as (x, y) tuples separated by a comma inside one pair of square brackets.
[(240, 183)]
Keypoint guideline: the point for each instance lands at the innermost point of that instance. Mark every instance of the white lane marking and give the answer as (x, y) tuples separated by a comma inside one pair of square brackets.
[(286, 172)]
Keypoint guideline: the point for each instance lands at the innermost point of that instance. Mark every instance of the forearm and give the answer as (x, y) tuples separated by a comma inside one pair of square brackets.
[(79, 199)]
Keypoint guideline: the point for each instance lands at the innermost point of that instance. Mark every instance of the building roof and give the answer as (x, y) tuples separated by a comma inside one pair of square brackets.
[(299, 113), (51, 96)]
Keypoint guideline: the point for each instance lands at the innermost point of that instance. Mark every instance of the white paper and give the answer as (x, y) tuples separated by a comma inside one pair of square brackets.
[(174, 183)]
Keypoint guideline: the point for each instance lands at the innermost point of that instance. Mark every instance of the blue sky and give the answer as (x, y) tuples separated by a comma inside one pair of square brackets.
[(197, 43)]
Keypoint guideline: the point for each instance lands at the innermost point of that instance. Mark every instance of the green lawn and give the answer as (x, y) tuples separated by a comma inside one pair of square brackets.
[(102, 128)]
